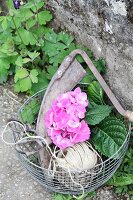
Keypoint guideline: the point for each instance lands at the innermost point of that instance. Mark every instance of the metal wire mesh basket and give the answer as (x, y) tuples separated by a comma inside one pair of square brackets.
[(61, 181)]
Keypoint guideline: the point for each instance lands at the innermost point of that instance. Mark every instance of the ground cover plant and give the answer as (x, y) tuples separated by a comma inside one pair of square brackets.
[(31, 52)]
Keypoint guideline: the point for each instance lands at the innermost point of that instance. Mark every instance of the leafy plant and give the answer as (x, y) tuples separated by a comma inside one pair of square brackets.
[(97, 113), (86, 196), (123, 178), (33, 51), (111, 132)]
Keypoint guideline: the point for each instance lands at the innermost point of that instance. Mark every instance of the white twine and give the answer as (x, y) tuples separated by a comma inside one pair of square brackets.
[(56, 160)]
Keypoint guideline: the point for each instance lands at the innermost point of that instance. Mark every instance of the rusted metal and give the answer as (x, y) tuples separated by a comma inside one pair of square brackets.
[(126, 113)]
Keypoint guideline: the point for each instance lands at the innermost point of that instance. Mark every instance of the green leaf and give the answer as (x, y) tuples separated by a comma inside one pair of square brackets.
[(23, 52), (123, 180), (8, 47), (57, 196), (87, 79), (3, 37), (95, 93), (4, 63), (30, 111), (20, 74), (57, 59), (33, 55), (96, 114), (100, 65), (51, 36), (16, 22), (109, 136), (51, 71), (65, 38), (30, 23), (26, 36), (39, 32), (23, 85), (37, 5), (43, 17), (26, 60), (53, 49), (33, 75), (42, 83), (4, 69), (3, 75), (19, 61), (22, 16)]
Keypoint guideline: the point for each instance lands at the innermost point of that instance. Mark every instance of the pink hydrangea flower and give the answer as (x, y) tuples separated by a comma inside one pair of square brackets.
[(63, 120)]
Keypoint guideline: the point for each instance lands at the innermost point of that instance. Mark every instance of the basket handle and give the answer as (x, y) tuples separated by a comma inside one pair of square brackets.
[(126, 113)]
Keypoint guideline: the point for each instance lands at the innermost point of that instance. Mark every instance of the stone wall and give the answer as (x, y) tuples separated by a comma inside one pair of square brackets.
[(106, 27)]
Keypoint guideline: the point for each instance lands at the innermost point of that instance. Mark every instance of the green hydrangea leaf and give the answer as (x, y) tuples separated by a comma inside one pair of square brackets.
[(43, 17), (109, 136), (95, 93), (96, 114), (33, 75), (23, 85), (20, 74)]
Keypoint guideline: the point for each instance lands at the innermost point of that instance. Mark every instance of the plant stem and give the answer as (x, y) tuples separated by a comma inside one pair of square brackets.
[(17, 30)]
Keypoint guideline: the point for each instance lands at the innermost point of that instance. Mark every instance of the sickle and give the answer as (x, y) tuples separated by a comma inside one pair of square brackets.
[(126, 113)]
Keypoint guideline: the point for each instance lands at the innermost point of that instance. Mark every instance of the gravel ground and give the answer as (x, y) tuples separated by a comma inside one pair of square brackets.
[(15, 183)]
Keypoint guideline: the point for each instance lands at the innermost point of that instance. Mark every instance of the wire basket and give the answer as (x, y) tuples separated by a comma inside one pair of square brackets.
[(60, 181)]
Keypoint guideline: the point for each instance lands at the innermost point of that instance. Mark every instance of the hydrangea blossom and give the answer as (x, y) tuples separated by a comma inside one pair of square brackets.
[(64, 120)]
